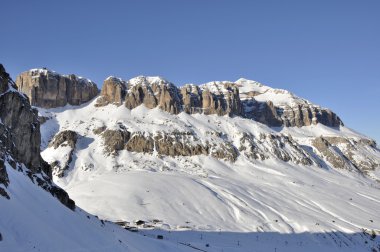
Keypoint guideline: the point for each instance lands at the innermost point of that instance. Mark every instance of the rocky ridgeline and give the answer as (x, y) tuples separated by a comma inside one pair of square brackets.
[(48, 89), (221, 98), (20, 140)]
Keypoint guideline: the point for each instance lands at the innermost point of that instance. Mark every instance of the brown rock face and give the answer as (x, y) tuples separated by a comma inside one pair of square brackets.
[(140, 143), (279, 146), (19, 127), (343, 153), (48, 89), (222, 103), (153, 93), (63, 139), (113, 91), (298, 115), (221, 98), (20, 139), (114, 140), (191, 99), (330, 154), (167, 144)]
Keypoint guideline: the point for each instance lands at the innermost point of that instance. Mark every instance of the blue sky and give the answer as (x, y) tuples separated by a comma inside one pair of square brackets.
[(327, 51)]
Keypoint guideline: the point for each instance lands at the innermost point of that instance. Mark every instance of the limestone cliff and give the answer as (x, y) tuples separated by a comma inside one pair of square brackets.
[(241, 98), (20, 140), (48, 89)]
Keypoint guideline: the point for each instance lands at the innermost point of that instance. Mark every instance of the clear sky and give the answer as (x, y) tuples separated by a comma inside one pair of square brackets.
[(327, 51)]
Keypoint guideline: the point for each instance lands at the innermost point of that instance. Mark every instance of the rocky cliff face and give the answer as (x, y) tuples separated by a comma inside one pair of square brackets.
[(298, 115), (19, 125), (20, 139), (345, 153), (220, 98), (113, 91), (153, 92), (48, 89)]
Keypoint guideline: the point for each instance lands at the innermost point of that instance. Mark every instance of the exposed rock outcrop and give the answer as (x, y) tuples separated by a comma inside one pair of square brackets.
[(48, 89), (153, 92), (4, 180), (140, 143), (278, 146), (19, 125), (20, 139), (179, 144), (66, 138), (264, 112), (115, 140), (330, 154), (63, 138), (224, 100), (348, 153), (191, 99), (113, 91), (166, 144), (221, 98), (297, 115)]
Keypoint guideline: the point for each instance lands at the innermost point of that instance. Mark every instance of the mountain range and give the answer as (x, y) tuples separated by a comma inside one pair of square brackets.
[(225, 165)]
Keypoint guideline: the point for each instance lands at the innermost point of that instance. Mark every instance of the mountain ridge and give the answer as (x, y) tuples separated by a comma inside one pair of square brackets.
[(144, 157)]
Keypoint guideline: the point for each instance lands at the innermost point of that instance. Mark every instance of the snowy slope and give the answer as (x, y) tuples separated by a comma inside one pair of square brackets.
[(33, 220), (203, 194), (132, 174)]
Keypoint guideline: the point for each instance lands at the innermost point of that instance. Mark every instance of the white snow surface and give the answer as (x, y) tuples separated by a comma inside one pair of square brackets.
[(200, 191), (33, 220)]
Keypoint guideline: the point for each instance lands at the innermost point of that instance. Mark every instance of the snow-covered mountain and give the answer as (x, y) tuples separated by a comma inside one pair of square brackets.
[(231, 156), (35, 214), (223, 166)]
